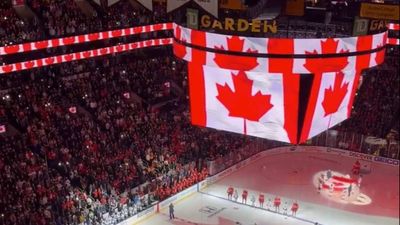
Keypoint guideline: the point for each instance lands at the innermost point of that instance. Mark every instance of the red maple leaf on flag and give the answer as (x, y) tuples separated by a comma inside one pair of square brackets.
[(233, 62), (179, 50), (322, 65), (241, 103), (334, 95)]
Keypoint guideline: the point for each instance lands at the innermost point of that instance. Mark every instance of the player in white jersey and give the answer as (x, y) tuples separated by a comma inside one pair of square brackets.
[(359, 181)]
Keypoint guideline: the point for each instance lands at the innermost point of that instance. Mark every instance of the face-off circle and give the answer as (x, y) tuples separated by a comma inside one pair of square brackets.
[(340, 188)]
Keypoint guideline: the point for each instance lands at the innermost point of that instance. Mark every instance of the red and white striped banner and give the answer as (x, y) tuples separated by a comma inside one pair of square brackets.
[(79, 39), (83, 55), (392, 40), (393, 26)]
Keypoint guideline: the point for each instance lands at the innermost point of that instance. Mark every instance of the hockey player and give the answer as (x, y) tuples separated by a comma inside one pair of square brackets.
[(244, 196), (235, 195), (277, 203), (328, 174), (356, 168), (253, 200), (349, 190), (331, 187), (320, 182), (295, 207), (285, 208), (359, 181), (230, 192), (261, 200)]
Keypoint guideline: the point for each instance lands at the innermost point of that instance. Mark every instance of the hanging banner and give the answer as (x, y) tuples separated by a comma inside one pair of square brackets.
[(360, 26), (294, 7), (192, 18), (211, 6), (112, 2), (379, 11), (174, 4), (147, 4)]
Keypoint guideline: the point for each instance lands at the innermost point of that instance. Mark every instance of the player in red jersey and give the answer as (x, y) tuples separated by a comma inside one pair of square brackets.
[(261, 199), (277, 203), (230, 192), (295, 207), (244, 196), (356, 168)]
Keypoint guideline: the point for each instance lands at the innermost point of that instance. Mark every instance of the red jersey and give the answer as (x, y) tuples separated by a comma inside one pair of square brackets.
[(261, 198), (295, 206), (244, 194), (277, 201), (230, 190), (357, 165)]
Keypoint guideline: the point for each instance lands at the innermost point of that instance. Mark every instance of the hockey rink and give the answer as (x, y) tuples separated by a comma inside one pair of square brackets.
[(292, 177)]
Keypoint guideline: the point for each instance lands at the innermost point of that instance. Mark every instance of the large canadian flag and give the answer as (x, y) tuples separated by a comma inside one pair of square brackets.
[(249, 103), (233, 89)]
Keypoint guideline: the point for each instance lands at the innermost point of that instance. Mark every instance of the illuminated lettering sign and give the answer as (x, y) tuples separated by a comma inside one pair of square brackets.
[(239, 25), (377, 26)]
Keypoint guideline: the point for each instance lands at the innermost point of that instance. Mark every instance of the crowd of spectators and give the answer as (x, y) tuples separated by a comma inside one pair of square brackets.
[(13, 29), (376, 107), (58, 18), (90, 145), (84, 143)]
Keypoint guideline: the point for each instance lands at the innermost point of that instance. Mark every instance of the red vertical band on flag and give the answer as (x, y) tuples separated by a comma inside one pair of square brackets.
[(196, 80), (291, 87)]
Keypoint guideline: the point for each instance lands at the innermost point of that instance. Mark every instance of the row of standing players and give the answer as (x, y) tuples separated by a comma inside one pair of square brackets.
[(233, 195)]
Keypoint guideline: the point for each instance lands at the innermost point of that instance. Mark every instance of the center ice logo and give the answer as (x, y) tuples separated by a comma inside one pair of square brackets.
[(211, 210), (340, 188), (208, 209)]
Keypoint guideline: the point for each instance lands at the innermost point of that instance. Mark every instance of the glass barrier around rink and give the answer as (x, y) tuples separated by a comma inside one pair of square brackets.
[(388, 148), (222, 162)]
